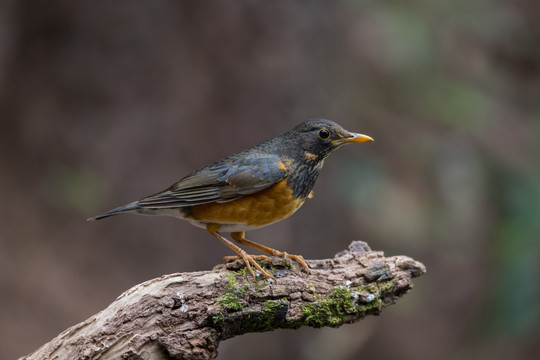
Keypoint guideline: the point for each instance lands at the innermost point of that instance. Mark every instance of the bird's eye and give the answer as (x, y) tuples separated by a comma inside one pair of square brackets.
[(324, 134)]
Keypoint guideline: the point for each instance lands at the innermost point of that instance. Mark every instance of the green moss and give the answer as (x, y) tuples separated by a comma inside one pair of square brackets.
[(271, 306), (218, 319), (331, 310), (375, 304), (231, 300), (384, 288), (273, 311), (341, 306), (266, 265), (243, 271), (311, 288), (232, 283), (370, 288), (287, 263), (271, 315)]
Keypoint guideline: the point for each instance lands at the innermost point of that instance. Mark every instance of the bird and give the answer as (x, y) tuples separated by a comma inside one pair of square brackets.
[(251, 189)]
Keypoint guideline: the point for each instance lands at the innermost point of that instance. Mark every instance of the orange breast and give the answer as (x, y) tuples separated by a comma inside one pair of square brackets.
[(265, 207)]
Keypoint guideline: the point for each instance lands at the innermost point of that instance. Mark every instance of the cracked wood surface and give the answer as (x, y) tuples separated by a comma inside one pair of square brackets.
[(186, 315)]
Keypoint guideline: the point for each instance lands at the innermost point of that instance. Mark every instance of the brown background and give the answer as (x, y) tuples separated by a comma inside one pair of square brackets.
[(103, 102)]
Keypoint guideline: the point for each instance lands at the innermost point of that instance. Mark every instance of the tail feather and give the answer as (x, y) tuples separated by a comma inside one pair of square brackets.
[(134, 206)]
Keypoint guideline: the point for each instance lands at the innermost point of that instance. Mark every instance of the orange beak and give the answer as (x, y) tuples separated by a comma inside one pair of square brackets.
[(354, 138)]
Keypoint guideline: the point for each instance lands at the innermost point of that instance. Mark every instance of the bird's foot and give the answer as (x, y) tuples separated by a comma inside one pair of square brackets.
[(250, 259), (298, 258), (232, 258)]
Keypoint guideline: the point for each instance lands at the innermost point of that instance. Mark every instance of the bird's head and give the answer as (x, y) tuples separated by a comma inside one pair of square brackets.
[(319, 137)]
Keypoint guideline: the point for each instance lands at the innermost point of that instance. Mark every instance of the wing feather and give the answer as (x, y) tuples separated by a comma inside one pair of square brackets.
[(223, 181)]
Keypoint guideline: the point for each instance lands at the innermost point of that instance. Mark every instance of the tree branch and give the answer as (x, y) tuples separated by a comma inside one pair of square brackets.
[(186, 315)]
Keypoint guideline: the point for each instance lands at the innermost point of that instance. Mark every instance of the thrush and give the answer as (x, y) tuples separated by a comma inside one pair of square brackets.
[(251, 189)]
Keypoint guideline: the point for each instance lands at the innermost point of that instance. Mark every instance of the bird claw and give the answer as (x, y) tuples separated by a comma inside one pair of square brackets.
[(232, 258), (285, 256), (250, 260)]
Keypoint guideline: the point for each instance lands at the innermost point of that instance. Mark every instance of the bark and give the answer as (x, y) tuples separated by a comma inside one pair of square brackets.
[(186, 315)]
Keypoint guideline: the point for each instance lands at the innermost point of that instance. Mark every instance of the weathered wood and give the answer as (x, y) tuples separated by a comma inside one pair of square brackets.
[(186, 315)]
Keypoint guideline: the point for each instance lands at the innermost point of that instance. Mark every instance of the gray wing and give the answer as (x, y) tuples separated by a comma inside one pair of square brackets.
[(223, 181)]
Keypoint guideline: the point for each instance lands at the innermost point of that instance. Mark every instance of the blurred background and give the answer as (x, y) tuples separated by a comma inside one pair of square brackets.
[(102, 103)]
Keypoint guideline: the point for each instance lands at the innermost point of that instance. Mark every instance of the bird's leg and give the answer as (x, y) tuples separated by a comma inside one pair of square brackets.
[(230, 258), (239, 237), (248, 259)]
